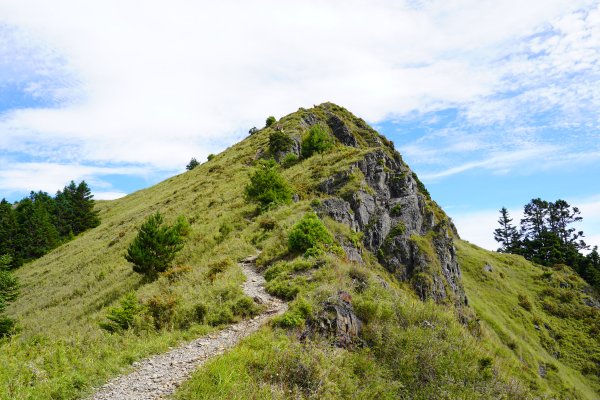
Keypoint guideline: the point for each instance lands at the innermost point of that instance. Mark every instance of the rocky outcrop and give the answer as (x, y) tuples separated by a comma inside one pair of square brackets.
[(341, 131), (408, 232), (338, 321)]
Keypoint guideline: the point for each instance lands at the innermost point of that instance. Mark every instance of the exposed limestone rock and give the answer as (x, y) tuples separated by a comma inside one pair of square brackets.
[(341, 131), (337, 320), (409, 233)]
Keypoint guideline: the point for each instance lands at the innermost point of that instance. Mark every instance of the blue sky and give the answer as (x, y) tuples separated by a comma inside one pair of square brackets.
[(492, 103)]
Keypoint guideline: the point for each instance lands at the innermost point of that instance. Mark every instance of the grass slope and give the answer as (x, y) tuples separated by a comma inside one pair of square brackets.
[(536, 316), (411, 349)]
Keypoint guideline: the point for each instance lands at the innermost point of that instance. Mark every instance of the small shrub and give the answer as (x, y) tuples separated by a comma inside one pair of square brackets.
[(224, 230), (218, 267), (192, 164), (7, 326), (176, 273), (267, 224), (122, 316), (289, 160), (309, 235), (267, 187), (317, 140), (296, 316), (274, 271), (245, 307), (285, 289), (279, 142), (223, 315), (210, 157), (162, 309), (270, 121), (200, 311), (156, 245), (396, 211), (524, 302)]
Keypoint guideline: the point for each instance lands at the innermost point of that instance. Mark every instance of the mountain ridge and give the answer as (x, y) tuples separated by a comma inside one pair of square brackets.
[(426, 334)]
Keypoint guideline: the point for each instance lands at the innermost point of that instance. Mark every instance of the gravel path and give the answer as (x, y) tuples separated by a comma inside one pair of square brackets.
[(159, 376)]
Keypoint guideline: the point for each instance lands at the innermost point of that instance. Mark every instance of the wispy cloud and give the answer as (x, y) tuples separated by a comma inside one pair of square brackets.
[(153, 85)]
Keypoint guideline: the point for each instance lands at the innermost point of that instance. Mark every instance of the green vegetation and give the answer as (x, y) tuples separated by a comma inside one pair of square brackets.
[(407, 349), (155, 246), (309, 236), (122, 316), (9, 290), (279, 142), (267, 187), (317, 140), (39, 223), (210, 157), (528, 318), (192, 164), (546, 237), (270, 121)]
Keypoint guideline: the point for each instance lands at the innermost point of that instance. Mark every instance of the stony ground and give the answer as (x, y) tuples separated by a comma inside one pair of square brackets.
[(158, 377)]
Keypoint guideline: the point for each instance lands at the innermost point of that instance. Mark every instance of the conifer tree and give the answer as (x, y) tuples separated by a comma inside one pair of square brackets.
[(37, 233), (83, 206), (192, 164), (8, 228), (9, 289), (156, 244), (507, 235)]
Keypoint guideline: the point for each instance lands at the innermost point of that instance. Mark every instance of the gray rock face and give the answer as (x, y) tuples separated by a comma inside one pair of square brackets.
[(337, 320), (410, 235), (341, 131)]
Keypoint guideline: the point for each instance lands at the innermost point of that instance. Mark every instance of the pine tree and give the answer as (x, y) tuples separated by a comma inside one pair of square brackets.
[(37, 233), (8, 228), (156, 245), (507, 235), (83, 207), (9, 289), (560, 217), (192, 164)]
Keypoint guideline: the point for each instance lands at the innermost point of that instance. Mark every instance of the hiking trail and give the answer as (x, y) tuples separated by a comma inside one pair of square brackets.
[(158, 377)]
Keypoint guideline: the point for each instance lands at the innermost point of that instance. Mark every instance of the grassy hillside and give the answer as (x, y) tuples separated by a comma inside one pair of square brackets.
[(536, 315), (408, 349)]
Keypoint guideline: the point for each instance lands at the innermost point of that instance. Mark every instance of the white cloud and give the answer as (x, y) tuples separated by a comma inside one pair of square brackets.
[(23, 177), (109, 195), (156, 83)]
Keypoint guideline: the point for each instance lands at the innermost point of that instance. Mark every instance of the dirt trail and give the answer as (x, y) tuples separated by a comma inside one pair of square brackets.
[(159, 376)]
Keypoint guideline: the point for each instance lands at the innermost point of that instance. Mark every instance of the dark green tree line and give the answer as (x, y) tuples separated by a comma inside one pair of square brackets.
[(38, 223), (546, 236)]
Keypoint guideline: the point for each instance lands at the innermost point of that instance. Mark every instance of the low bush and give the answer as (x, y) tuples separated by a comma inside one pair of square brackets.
[(524, 302), (122, 317), (289, 160), (245, 307), (270, 121), (162, 309), (279, 142), (218, 267), (317, 140), (267, 187), (309, 236)]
